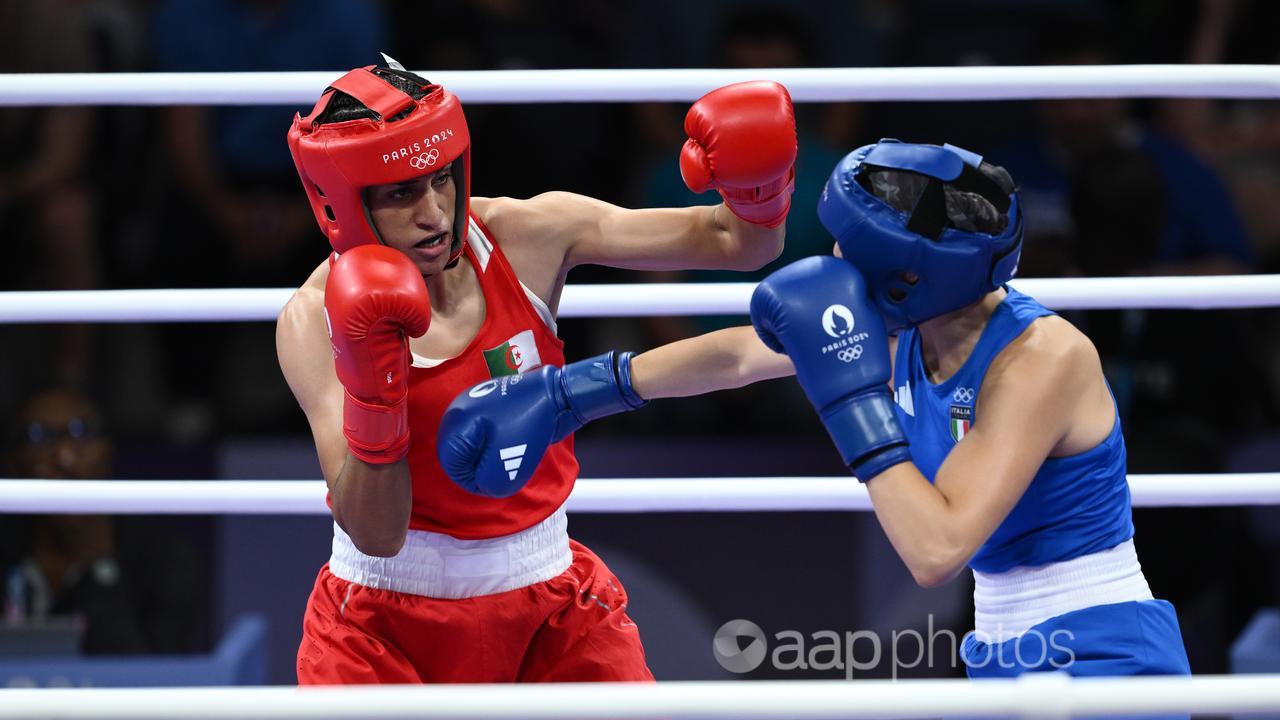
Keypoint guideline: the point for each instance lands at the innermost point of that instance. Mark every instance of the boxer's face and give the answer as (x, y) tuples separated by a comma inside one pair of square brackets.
[(416, 217)]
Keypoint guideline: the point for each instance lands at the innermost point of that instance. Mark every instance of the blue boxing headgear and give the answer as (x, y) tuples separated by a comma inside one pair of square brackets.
[(955, 267)]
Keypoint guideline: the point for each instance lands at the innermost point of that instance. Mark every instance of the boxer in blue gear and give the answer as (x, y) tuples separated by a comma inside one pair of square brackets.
[(1002, 449), (1016, 459)]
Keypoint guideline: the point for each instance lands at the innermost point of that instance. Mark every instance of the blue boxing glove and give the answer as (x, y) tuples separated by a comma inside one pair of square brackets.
[(817, 312), (493, 436)]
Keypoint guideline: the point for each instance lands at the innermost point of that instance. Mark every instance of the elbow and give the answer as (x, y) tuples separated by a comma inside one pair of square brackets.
[(378, 544), (931, 577), (753, 256), (938, 569), (745, 246), (754, 253)]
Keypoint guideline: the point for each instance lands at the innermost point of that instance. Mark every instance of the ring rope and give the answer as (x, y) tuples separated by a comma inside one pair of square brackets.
[(619, 495), (557, 86), (625, 300), (1044, 696)]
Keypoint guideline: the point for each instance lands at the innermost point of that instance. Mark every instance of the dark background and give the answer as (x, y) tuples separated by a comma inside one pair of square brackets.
[(127, 197)]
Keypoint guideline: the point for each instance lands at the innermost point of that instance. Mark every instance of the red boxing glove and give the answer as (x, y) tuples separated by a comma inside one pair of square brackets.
[(742, 142), (374, 301)]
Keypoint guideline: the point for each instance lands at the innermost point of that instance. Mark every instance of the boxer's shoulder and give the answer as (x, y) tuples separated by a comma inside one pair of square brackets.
[(535, 233), (1050, 350), (304, 311), (530, 218)]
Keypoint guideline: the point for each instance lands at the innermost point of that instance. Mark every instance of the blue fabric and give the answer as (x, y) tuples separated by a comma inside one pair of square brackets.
[(1129, 638), (1074, 506), (960, 266)]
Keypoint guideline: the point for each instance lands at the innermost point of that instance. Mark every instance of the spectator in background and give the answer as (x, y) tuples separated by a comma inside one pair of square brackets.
[(1240, 138), (228, 160), (44, 197), (136, 589), (233, 216), (1201, 231)]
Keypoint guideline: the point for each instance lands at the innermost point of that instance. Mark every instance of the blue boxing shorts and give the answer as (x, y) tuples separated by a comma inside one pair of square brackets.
[(1128, 638)]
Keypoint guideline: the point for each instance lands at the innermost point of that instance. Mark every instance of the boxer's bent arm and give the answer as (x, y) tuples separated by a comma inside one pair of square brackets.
[(719, 360), (590, 231), (370, 502), (1030, 399)]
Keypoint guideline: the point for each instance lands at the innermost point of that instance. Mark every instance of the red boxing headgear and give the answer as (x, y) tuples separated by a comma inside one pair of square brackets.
[(408, 138)]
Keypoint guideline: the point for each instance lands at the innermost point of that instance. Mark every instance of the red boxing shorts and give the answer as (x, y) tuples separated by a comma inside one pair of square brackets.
[(571, 628)]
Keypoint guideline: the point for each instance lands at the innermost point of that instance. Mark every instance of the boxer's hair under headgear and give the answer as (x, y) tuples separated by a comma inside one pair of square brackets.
[(932, 228), (374, 126)]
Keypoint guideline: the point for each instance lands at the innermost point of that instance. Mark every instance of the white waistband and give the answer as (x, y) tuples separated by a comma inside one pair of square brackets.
[(1008, 604), (439, 566)]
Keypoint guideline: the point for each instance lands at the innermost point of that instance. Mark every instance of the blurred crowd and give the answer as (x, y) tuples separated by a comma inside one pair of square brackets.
[(196, 197)]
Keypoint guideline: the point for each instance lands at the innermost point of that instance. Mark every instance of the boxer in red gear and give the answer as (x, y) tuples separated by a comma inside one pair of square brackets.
[(427, 582)]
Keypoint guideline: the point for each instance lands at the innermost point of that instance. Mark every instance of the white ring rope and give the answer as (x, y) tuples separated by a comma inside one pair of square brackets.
[(625, 300), (620, 495), (551, 86), (1045, 696)]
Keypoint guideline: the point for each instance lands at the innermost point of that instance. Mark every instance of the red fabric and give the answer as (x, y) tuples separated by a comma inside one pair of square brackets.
[(336, 161), (572, 628), (439, 505), (374, 300)]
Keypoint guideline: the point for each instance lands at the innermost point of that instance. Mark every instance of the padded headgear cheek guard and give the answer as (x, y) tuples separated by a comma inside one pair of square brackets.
[(953, 267), (408, 138)]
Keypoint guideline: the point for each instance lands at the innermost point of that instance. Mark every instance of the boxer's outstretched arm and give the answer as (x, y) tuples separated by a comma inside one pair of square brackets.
[(371, 503), (581, 230), (720, 360), (742, 143)]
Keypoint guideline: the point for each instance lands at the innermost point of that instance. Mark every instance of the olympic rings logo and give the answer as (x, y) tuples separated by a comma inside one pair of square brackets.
[(963, 395), (425, 160), (850, 354)]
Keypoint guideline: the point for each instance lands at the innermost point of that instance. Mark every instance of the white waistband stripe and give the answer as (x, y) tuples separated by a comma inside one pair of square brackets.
[(439, 566), (1008, 604)]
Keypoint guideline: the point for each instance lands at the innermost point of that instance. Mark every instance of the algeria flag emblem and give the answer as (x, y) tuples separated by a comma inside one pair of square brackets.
[(518, 354)]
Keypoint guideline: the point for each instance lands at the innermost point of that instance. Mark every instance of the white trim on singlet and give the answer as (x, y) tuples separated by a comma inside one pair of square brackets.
[(482, 246)]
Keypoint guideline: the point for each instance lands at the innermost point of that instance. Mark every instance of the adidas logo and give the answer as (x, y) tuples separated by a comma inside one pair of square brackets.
[(902, 396), (511, 458)]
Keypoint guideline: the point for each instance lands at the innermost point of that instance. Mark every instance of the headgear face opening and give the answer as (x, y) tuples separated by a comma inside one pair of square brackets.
[(950, 267), (406, 139)]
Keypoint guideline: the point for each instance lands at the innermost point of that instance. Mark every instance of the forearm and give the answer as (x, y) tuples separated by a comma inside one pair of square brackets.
[(719, 360), (372, 504), (919, 522)]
